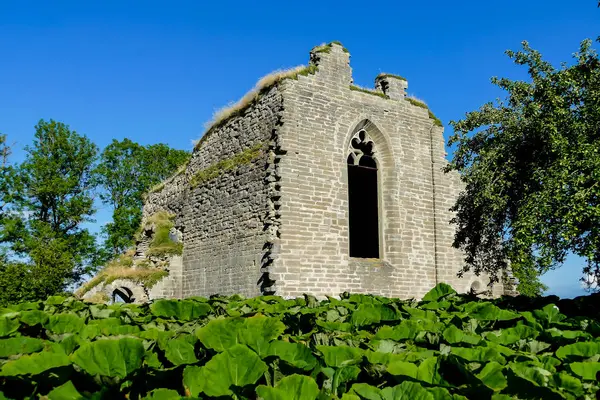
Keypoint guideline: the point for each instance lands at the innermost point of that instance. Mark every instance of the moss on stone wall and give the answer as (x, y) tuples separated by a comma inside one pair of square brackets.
[(368, 91), (415, 102), (227, 164), (162, 244)]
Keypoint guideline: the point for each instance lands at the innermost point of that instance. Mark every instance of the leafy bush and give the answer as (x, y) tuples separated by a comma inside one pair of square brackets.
[(447, 346)]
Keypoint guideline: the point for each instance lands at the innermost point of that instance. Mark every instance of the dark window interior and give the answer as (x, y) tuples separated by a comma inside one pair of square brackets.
[(362, 196)]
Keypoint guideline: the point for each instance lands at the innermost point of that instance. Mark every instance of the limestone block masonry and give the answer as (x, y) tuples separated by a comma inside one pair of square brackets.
[(263, 205)]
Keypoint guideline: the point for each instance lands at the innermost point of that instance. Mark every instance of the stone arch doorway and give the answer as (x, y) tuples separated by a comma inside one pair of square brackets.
[(363, 197), (122, 295)]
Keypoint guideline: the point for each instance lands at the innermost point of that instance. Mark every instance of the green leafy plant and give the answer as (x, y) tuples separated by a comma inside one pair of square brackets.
[(446, 346)]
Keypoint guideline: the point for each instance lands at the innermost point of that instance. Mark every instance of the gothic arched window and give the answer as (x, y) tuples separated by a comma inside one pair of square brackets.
[(363, 197)]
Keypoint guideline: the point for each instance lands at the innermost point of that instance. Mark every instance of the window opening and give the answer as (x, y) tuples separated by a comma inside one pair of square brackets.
[(363, 197)]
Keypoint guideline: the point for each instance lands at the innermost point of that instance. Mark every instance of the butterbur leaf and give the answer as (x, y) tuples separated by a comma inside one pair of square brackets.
[(8, 326), (440, 393), (366, 391), (183, 310), (294, 354), (440, 290), (428, 371), (34, 317), (180, 351), (35, 364), (111, 358), (340, 356), (193, 381), (220, 334), (406, 390), (20, 345), (237, 366), (66, 391), (293, 387), (586, 370), (578, 351), (536, 375), (404, 368), (163, 394), (256, 332), (367, 314), (64, 323), (492, 376), (479, 354), (569, 383)]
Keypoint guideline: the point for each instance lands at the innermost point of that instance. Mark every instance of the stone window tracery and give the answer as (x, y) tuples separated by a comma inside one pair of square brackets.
[(363, 197)]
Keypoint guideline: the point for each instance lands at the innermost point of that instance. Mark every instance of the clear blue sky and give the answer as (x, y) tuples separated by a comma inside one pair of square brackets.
[(156, 71)]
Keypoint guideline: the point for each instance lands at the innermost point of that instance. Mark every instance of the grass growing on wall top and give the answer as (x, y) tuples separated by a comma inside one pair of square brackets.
[(384, 74), (368, 91), (326, 47), (262, 86), (419, 103)]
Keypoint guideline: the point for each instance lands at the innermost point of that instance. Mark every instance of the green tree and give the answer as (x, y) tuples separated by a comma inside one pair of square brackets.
[(43, 223), (126, 171), (531, 166)]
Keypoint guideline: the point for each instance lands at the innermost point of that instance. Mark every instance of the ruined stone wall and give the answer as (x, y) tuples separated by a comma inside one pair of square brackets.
[(324, 113), (226, 219)]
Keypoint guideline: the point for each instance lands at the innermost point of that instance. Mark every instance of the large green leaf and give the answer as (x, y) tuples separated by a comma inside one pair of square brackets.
[(237, 366), (479, 354), (586, 370), (20, 345), (295, 354), (404, 368), (8, 326), (180, 351), (64, 323), (492, 376), (193, 380), (163, 394), (366, 391), (34, 317), (110, 357), (255, 332), (293, 387), (454, 335), (512, 335), (367, 314), (66, 391), (532, 373), (578, 351), (220, 334), (340, 356), (486, 311), (440, 290), (405, 391), (35, 364), (183, 310)]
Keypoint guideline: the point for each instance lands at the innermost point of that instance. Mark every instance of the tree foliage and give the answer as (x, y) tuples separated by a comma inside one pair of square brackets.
[(127, 170), (48, 198), (531, 169)]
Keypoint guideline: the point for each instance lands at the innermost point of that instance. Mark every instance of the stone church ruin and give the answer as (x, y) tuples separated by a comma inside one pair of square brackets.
[(309, 184)]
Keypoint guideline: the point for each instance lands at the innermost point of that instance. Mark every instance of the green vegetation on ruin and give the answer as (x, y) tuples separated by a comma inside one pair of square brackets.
[(357, 347), (326, 48), (418, 103), (143, 271), (162, 244), (384, 74), (263, 86), (227, 164), (368, 91)]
